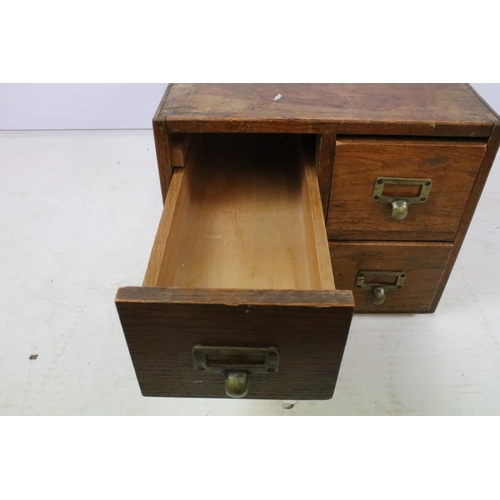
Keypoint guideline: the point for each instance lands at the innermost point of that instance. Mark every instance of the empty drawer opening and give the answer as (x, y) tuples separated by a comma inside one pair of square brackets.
[(244, 212)]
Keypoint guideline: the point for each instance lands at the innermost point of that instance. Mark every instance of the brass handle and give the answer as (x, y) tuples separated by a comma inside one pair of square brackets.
[(236, 364), (399, 209), (236, 384), (400, 204), (378, 295), (379, 290)]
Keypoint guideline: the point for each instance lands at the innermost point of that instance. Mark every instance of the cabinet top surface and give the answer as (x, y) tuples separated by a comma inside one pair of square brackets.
[(438, 109)]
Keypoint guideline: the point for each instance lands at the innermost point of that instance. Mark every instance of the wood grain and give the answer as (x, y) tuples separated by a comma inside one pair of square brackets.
[(314, 225), (248, 215), (160, 244), (408, 109), (324, 164), (179, 147), (309, 329), (452, 166), (423, 264), (162, 145)]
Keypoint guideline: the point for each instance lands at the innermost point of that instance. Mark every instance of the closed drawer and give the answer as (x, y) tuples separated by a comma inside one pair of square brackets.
[(375, 270), (435, 176), (239, 292)]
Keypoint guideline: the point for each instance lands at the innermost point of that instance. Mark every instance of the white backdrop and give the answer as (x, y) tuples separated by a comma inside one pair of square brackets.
[(104, 105), (61, 106)]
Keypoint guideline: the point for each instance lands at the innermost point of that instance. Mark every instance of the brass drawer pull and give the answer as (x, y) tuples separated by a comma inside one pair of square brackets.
[(236, 364), (400, 204), (377, 288)]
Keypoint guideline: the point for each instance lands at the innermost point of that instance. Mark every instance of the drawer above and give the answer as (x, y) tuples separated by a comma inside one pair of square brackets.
[(401, 189), (239, 292)]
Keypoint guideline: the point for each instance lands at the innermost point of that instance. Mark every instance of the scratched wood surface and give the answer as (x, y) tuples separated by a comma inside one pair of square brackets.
[(426, 109)]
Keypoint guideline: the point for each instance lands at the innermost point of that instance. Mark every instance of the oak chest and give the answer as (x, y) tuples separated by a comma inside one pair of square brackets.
[(287, 208)]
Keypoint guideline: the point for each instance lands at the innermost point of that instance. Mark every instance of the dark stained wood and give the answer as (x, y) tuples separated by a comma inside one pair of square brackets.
[(489, 158), (409, 109), (309, 328), (452, 166), (423, 264), (325, 149), (162, 144)]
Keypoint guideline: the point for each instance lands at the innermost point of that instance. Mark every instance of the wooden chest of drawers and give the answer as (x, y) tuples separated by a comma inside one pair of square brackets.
[(287, 208)]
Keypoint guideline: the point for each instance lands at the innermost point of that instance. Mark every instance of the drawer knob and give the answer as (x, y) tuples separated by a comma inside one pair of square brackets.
[(378, 294), (400, 204), (236, 364), (379, 282), (399, 209), (236, 384)]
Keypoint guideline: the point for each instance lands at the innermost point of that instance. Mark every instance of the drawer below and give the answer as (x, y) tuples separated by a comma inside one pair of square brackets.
[(360, 267)]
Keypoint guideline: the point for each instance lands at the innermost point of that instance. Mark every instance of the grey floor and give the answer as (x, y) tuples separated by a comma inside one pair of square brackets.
[(78, 215)]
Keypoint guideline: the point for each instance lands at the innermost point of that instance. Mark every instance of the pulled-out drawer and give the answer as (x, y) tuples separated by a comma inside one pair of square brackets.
[(401, 189), (239, 296), (390, 277)]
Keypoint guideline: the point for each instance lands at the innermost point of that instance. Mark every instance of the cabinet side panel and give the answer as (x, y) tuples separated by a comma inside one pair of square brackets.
[(163, 155), (477, 189)]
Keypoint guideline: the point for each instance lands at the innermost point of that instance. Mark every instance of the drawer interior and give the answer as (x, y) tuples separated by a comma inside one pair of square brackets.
[(244, 213), (240, 263)]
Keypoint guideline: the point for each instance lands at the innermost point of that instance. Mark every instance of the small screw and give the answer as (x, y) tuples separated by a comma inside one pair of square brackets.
[(273, 354), (200, 368), (399, 286), (428, 183), (403, 275), (423, 198), (376, 197), (380, 181), (271, 370)]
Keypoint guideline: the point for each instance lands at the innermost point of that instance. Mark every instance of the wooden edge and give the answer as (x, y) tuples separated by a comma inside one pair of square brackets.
[(162, 146), (237, 297), (491, 110), (318, 228), (324, 163), (467, 142), (179, 145), (159, 109), (477, 189), (160, 243), (306, 126)]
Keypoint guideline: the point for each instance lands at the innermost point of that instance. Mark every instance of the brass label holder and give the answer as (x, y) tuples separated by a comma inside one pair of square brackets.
[(379, 289), (400, 204), (236, 364)]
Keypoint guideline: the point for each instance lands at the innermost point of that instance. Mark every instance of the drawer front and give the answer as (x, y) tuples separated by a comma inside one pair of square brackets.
[(166, 328), (401, 189), (374, 270)]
